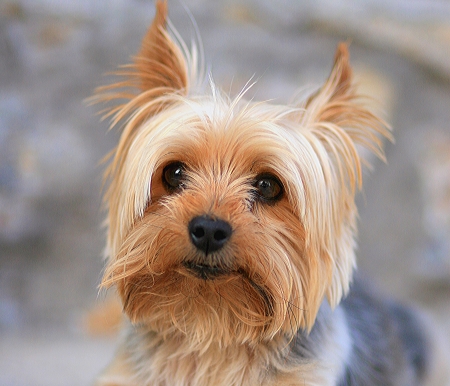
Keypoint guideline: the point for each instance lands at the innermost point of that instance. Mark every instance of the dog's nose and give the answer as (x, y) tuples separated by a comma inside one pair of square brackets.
[(208, 234)]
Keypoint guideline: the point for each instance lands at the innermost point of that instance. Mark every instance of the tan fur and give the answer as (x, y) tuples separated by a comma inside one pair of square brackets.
[(283, 259)]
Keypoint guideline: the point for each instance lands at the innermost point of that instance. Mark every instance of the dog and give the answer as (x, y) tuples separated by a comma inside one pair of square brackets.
[(231, 234)]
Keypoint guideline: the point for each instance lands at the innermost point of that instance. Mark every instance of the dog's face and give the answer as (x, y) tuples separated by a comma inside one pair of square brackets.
[(232, 221)]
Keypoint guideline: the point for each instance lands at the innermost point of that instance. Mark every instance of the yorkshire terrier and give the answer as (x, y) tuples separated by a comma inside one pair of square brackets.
[(231, 234)]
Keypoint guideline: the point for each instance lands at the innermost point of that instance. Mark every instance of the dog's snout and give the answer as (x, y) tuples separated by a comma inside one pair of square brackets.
[(208, 234)]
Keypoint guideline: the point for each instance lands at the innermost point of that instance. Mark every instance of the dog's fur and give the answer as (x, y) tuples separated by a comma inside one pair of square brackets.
[(274, 303)]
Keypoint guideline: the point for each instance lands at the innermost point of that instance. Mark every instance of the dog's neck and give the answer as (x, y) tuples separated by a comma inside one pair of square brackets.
[(172, 361)]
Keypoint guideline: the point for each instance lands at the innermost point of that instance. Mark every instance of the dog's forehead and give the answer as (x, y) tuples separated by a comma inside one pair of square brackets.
[(204, 135)]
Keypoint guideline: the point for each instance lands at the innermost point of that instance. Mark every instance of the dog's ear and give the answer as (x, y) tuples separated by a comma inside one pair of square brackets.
[(327, 103), (160, 69), (337, 104), (160, 64), (337, 123)]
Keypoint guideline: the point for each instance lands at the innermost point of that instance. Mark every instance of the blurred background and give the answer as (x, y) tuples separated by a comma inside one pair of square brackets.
[(53, 54)]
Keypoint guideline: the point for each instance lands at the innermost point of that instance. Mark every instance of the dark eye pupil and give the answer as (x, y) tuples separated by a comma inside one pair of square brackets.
[(173, 175), (268, 188), (265, 186)]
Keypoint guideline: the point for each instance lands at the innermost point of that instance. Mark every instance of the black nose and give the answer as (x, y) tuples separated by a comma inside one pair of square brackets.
[(208, 234)]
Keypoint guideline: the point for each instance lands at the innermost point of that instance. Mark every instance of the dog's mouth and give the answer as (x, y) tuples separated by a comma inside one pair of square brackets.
[(205, 271), (210, 272)]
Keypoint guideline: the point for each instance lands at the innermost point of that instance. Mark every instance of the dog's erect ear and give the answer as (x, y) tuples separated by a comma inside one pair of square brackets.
[(159, 69), (326, 103), (160, 63), (338, 103)]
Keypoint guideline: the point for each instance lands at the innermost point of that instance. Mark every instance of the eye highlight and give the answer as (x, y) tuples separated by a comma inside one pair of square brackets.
[(268, 187), (173, 176)]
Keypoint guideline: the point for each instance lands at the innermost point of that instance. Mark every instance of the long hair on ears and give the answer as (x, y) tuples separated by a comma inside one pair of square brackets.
[(337, 122), (164, 69)]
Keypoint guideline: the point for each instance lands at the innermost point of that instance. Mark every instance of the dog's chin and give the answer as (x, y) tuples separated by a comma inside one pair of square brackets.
[(204, 303)]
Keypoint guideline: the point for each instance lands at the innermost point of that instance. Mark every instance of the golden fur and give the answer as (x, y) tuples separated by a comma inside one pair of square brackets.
[(282, 259)]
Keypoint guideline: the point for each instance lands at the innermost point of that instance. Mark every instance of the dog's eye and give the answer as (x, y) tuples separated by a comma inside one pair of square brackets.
[(173, 176), (268, 187)]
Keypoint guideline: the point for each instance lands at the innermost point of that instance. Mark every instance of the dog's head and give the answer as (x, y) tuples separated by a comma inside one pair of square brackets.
[(231, 221)]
